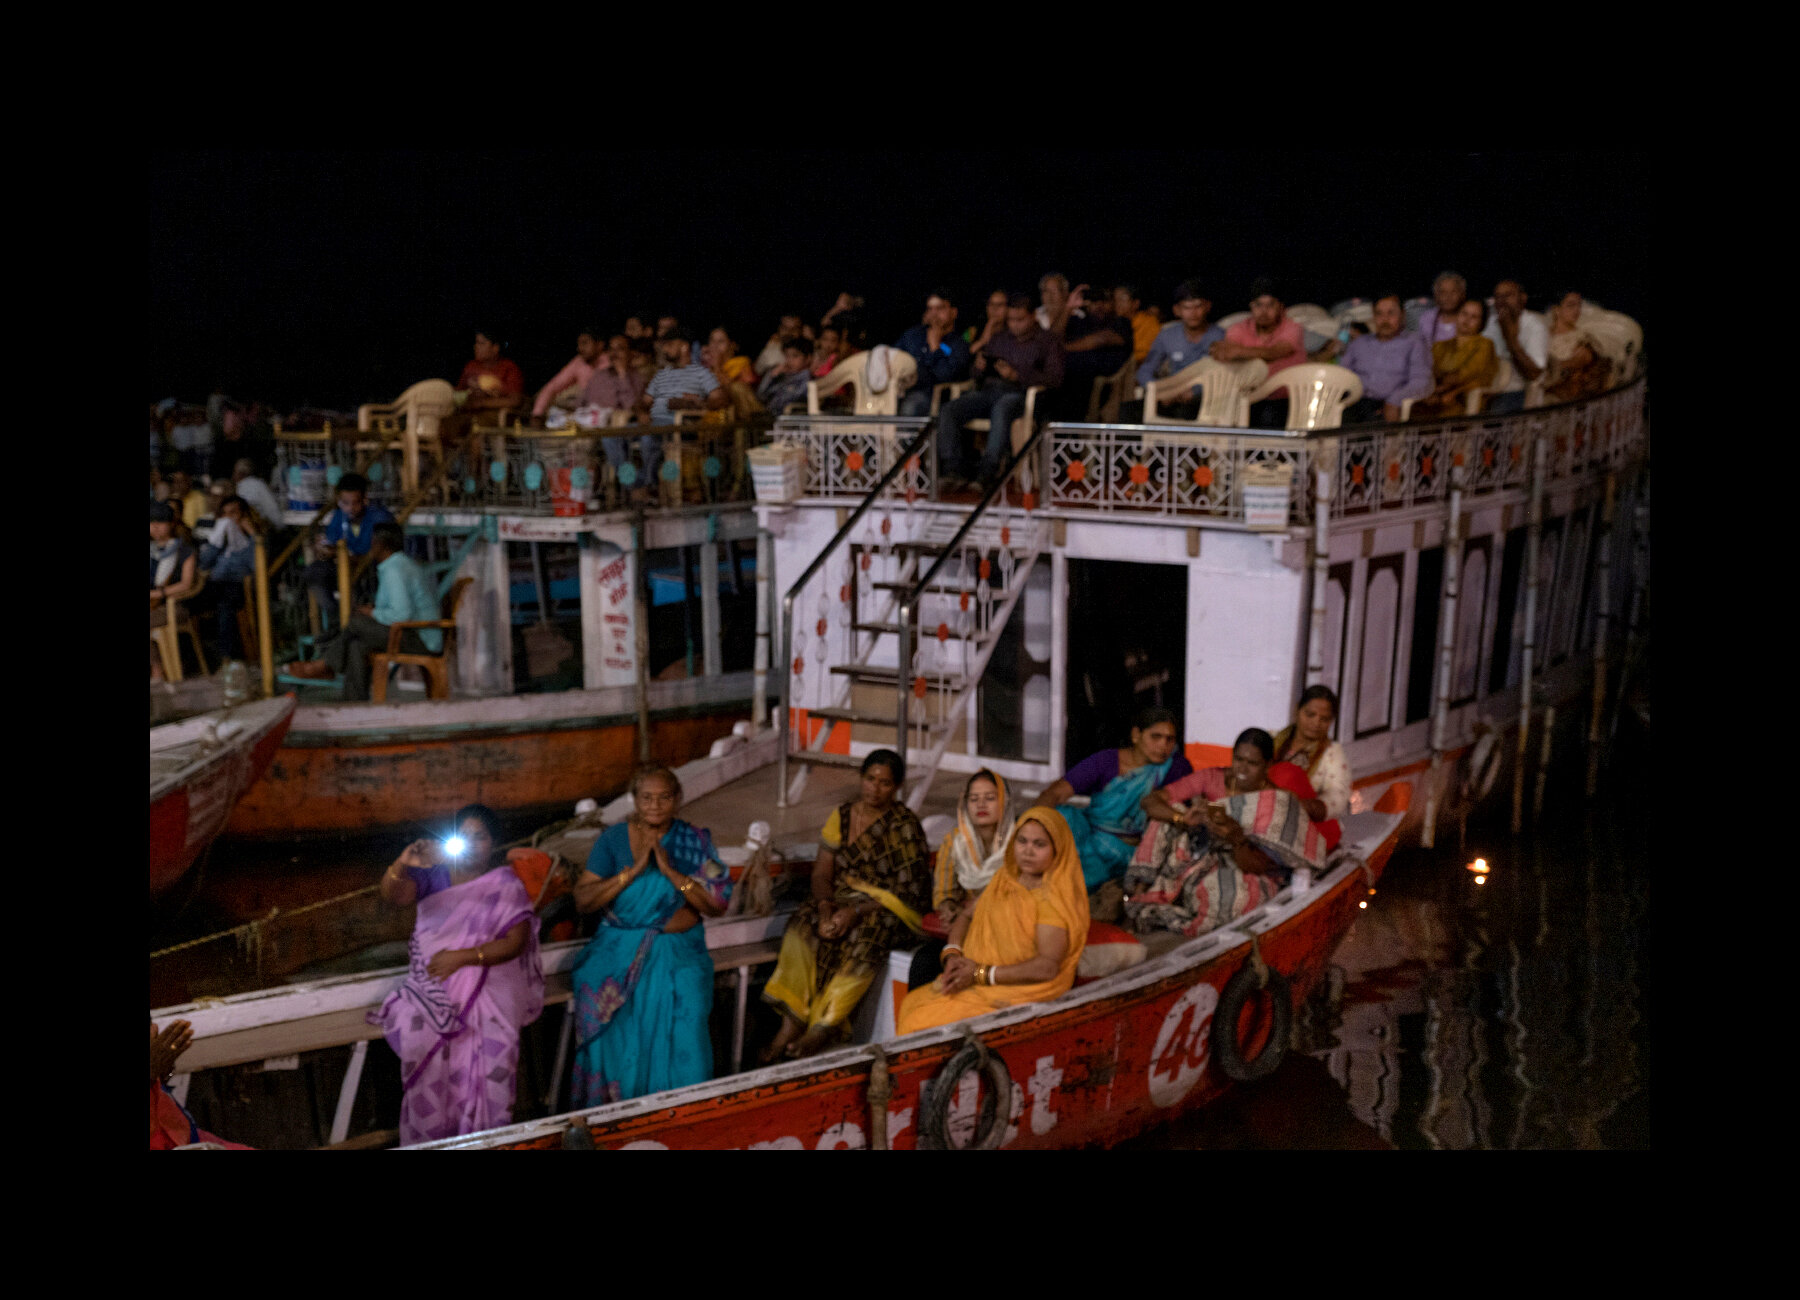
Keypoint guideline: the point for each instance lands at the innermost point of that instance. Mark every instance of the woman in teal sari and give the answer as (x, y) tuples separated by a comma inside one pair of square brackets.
[(643, 985), (1107, 830)]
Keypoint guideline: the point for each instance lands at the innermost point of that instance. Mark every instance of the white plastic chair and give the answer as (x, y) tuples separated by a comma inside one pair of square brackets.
[(1226, 322), (1619, 337), (1224, 385), (1022, 426), (1476, 398), (853, 371), (1107, 392), (1317, 394), (1313, 317), (416, 416)]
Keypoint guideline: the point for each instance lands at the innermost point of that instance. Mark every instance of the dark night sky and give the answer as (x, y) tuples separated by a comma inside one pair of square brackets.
[(336, 279)]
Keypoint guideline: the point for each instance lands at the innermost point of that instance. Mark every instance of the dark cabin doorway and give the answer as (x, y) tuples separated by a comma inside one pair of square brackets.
[(1127, 650)]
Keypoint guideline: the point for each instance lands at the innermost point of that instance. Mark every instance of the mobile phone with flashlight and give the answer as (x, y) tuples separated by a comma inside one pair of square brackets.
[(453, 846)]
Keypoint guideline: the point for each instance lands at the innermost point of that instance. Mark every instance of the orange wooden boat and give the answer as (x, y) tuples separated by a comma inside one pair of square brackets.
[(1102, 1063)]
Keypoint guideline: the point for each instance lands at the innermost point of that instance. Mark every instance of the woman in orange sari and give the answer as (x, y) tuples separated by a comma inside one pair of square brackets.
[(1460, 365), (1577, 366), (1023, 939)]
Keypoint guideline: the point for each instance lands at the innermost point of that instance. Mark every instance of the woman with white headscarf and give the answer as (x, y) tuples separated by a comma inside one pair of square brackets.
[(966, 862)]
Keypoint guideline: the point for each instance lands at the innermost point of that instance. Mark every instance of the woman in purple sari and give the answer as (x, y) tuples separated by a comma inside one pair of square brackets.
[(475, 980)]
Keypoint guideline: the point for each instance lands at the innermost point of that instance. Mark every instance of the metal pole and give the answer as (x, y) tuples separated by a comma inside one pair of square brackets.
[(759, 703), (787, 687), (641, 616), (903, 675), (343, 576), (1315, 637), (1537, 796), (263, 634), (1440, 714), (1534, 523), (1602, 630)]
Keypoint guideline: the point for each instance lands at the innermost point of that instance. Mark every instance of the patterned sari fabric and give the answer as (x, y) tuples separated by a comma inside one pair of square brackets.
[(643, 998), (1111, 815), (1181, 880), (458, 1039), (819, 981)]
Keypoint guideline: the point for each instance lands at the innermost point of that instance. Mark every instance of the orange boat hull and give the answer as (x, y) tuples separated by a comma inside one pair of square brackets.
[(323, 785)]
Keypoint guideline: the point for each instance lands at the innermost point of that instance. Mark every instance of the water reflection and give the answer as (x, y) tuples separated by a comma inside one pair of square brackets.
[(1508, 1014)]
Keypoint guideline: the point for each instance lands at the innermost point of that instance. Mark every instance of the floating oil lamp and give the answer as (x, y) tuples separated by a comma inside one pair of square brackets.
[(1479, 868)]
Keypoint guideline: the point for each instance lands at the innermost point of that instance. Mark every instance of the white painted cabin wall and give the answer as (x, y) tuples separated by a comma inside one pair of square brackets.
[(484, 623)]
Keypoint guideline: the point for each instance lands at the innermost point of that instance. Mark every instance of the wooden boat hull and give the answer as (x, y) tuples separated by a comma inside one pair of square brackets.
[(1128, 1054), (351, 770), (187, 812)]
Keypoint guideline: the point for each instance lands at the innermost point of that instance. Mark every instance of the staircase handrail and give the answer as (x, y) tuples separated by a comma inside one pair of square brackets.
[(903, 673), (914, 448)]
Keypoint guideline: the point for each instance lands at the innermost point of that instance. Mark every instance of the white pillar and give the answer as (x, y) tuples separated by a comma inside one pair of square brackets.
[(1059, 654)]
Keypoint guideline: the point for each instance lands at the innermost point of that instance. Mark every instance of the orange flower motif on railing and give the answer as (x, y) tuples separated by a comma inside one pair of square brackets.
[(1140, 474), (1487, 458), (1356, 475), (1456, 460), (912, 464), (1005, 535), (1393, 472), (919, 688), (1077, 470), (1029, 501), (943, 631), (1203, 476), (1517, 451), (963, 602), (1425, 463), (844, 593), (823, 626), (853, 462)]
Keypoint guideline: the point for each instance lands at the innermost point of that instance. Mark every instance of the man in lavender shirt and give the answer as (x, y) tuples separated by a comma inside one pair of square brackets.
[(1449, 291), (1392, 364)]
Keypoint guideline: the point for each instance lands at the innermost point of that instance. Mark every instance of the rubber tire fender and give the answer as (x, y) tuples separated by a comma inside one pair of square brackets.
[(937, 1092), (1225, 1018)]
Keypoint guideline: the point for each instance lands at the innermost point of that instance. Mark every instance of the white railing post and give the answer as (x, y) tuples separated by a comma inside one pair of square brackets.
[(759, 703), (1534, 525), (1325, 465), (1440, 713), (1602, 630)]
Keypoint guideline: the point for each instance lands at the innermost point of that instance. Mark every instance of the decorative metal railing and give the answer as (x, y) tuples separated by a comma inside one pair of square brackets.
[(1179, 472), (531, 471), (846, 456)]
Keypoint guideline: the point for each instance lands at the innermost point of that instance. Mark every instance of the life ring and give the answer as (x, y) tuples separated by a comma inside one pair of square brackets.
[(1484, 766), (936, 1095), (1238, 991)]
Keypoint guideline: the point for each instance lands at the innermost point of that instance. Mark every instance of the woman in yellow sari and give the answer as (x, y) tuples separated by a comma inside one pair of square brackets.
[(1460, 365), (1022, 941), (871, 886)]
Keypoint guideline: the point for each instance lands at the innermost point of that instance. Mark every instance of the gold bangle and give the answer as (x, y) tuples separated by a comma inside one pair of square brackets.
[(479, 959)]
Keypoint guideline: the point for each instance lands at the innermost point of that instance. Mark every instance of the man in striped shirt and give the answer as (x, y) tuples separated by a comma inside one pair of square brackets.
[(681, 385)]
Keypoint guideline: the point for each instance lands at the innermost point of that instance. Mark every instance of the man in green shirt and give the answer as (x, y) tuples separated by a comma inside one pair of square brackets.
[(403, 595)]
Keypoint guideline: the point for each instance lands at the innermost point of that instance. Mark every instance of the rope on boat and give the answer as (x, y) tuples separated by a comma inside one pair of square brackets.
[(250, 933), (1257, 963), (252, 930)]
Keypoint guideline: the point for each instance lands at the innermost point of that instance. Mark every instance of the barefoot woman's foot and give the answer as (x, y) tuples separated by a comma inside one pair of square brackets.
[(784, 1038)]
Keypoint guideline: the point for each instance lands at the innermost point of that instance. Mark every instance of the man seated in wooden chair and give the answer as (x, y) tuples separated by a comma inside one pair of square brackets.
[(403, 595)]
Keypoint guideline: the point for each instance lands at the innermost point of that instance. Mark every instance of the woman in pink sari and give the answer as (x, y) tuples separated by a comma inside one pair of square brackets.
[(475, 980)]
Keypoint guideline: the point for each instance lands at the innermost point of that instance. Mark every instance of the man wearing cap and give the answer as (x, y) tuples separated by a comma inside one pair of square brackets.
[(1269, 335), (353, 522), (1179, 344), (403, 595)]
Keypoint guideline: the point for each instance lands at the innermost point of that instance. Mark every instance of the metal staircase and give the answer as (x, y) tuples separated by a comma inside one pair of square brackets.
[(922, 598)]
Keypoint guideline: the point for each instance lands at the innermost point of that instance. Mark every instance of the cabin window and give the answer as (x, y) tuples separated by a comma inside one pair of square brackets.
[(1427, 605), (1380, 633)]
